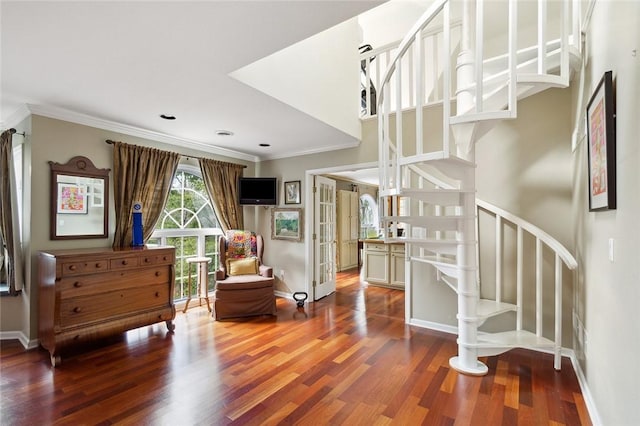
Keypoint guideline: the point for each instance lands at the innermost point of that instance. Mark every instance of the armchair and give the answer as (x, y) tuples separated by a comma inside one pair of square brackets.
[(244, 286)]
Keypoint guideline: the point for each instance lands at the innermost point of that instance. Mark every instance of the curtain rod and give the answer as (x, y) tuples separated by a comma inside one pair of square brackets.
[(110, 142), (14, 132)]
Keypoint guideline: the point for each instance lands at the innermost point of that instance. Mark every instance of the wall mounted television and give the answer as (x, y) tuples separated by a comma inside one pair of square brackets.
[(261, 191)]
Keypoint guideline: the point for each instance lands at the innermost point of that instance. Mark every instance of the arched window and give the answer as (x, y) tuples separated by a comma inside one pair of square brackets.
[(368, 216), (189, 223)]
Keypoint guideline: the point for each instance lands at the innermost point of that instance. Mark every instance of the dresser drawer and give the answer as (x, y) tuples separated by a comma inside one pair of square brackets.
[(84, 285), (123, 262), (84, 267), (85, 309), (157, 259)]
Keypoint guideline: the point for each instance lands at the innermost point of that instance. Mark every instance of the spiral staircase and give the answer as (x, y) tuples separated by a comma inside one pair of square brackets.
[(428, 189)]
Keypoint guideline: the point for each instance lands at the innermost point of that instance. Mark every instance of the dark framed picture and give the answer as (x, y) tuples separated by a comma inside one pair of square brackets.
[(292, 192), (601, 146)]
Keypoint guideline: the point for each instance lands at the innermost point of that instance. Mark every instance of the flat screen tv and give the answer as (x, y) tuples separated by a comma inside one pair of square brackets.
[(257, 191)]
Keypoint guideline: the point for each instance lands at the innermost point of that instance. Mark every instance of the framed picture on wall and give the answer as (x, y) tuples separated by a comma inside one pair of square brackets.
[(292, 192), (286, 224), (72, 198), (601, 146)]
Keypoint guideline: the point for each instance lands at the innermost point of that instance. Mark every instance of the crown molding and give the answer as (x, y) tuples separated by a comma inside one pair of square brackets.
[(100, 123), (353, 144), (16, 118)]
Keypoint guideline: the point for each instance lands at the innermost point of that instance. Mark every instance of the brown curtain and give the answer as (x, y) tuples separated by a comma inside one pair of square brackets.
[(140, 174), (221, 181), (9, 231)]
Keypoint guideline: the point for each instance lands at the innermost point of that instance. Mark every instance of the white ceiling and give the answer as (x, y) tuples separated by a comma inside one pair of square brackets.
[(129, 62)]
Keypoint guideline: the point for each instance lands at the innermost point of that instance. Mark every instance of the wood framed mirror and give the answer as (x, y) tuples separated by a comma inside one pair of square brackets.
[(79, 200)]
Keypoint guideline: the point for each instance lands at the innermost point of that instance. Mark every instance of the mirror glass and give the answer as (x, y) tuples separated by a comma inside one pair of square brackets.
[(79, 200)]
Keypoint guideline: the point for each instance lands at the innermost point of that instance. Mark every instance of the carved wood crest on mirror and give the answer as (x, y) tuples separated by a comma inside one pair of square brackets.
[(79, 200)]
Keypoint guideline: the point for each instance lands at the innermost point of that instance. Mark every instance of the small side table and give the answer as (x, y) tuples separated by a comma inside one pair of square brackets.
[(202, 273)]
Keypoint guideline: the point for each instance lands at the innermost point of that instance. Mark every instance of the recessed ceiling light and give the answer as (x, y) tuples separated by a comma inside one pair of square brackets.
[(265, 144), (224, 133), (167, 117)]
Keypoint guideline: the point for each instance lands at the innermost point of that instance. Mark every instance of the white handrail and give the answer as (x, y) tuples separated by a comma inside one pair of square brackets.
[(551, 242)]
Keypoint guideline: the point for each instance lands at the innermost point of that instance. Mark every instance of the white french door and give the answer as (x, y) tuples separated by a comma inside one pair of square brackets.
[(325, 237)]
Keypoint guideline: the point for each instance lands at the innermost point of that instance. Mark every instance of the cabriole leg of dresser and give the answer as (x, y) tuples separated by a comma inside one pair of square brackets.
[(56, 360), (170, 325)]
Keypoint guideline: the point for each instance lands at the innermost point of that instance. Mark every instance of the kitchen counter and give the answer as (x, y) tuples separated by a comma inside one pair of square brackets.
[(384, 263)]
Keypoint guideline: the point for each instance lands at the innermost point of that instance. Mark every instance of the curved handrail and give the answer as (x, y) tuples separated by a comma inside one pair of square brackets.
[(424, 20), (554, 244)]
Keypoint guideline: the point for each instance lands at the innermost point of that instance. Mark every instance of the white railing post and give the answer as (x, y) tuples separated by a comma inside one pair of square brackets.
[(479, 58), (542, 36), (513, 57), (519, 278), (446, 81), (558, 315), (498, 259), (538, 287), (419, 74), (398, 141)]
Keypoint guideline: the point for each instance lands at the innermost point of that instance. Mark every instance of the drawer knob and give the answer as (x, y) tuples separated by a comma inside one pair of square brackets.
[(98, 265), (125, 262), (157, 294), (77, 284), (146, 260), (72, 267), (157, 273), (77, 309)]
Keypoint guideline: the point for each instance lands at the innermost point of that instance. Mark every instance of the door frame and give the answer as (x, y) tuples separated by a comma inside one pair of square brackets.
[(309, 219)]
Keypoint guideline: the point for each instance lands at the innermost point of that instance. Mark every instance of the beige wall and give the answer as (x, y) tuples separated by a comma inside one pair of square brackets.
[(56, 140), (291, 257), (607, 336)]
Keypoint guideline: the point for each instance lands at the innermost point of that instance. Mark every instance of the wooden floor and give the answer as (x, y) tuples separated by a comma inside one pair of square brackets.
[(348, 359)]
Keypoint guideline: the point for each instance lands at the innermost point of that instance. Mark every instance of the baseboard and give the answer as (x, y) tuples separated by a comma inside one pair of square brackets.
[(283, 294), (445, 328), (21, 337), (586, 393)]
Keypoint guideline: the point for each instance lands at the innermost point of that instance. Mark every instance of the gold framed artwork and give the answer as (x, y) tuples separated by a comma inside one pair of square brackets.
[(286, 224)]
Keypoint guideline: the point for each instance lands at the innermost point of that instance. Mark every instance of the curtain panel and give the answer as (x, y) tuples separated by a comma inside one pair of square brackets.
[(9, 224), (144, 175), (221, 180)]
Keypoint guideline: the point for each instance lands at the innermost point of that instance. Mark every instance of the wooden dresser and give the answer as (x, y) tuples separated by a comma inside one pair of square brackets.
[(87, 294)]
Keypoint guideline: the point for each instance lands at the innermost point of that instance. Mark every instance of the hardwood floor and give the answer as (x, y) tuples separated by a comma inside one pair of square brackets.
[(347, 359)]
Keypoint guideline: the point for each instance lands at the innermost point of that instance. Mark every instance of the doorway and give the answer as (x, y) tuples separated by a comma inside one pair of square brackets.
[(352, 276)]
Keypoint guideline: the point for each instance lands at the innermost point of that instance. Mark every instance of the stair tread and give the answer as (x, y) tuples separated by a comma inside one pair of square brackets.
[(411, 240), (487, 308), (513, 339), (425, 217), (437, 156), (434, 260)]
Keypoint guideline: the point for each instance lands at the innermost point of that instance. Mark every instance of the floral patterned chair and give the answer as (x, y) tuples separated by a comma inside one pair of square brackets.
[(244, 286)]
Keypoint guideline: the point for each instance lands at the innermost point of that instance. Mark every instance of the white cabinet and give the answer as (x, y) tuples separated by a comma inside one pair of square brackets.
[(396, 261), (348, 229), (384, 264)]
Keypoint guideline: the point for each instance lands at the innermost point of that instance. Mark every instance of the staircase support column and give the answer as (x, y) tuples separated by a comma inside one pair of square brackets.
[(468, 292)]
